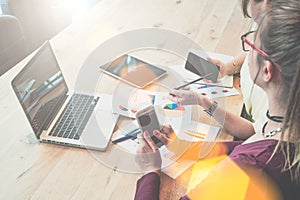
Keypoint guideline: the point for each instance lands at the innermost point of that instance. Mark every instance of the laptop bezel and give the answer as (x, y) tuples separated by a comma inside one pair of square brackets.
[(45, 45)]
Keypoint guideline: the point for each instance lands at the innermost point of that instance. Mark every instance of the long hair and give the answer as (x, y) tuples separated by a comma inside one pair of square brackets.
[(279, 32), (245, 6)]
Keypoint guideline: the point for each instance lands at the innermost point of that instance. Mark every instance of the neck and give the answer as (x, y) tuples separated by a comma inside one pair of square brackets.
[(276, 108)]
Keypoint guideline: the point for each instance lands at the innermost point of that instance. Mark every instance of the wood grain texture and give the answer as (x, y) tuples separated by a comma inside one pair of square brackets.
[(32, 170)]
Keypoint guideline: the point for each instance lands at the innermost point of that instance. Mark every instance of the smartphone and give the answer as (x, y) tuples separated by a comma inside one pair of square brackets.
[(148, 121), (202, 67)]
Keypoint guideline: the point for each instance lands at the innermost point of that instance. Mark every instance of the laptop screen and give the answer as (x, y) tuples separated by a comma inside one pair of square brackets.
[(41, 89)]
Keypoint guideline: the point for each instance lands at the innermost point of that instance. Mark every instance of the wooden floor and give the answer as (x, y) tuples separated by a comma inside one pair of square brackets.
[(31, 170)]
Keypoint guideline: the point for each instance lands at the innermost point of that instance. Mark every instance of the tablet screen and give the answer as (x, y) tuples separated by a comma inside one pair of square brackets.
[(133, 71)]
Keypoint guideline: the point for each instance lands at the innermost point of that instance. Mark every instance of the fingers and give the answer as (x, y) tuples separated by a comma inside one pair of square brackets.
[(175, 93), (175, 99), (211, 60), (186, 88), (168, 132), (143, 146), (178, 96), (214, 61), (162, 137), (180, 93), (208, 81), (167, 129), (150, 142), (175, 96), (183, 97)]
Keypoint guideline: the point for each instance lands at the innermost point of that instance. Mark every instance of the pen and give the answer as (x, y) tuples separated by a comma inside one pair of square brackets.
[(212, 85), (130, 135), (122, 139), (194, 81), (195, 135)]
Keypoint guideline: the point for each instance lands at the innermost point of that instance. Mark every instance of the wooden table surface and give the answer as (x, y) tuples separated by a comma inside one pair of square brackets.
[(33, 170)]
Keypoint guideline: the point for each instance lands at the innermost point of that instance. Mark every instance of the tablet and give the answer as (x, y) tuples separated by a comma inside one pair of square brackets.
[(202, 67), (133, 71)]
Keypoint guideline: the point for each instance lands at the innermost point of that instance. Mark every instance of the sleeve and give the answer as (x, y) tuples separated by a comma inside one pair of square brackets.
[(184, 198), (148, 187), (231, 145)]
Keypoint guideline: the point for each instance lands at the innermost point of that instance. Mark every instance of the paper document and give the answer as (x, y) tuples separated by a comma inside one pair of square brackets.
[(137, 99), (213, 92), (192, 131)]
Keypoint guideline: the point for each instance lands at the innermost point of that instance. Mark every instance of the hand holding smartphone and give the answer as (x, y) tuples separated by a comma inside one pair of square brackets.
[(202, 67), (148, 121)]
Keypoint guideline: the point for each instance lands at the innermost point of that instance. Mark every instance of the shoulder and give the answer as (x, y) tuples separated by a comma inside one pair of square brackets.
[(255, 154)]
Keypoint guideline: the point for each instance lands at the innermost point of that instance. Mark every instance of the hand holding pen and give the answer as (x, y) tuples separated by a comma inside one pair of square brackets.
[(186, 97)]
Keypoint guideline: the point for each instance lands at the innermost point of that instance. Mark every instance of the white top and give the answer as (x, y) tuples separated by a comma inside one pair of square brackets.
[(255, 98)]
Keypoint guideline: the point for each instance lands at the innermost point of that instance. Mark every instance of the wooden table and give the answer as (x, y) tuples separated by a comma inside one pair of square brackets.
[(33, 170)]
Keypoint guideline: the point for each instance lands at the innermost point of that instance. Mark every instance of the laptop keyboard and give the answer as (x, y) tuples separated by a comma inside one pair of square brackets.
[(75, 116), (41, 118)]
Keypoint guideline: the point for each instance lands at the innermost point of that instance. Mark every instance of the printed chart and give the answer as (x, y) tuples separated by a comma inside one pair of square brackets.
[(139, 99), (213, 91)]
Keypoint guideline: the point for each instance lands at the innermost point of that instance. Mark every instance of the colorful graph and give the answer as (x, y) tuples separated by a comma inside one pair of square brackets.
[(214, 92), (133, 111), (123, 108), (225, 90), (152, 98), (173, 106), (141, 96), (202, 86)]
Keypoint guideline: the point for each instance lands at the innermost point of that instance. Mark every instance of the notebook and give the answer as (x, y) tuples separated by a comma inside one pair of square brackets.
[(58, 115)]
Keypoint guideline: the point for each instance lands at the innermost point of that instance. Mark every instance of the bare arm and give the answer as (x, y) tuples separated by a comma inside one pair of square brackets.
[(232, 67), (236, 125)]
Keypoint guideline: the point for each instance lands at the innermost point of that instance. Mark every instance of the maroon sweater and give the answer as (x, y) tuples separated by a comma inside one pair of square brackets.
[(254, 154)]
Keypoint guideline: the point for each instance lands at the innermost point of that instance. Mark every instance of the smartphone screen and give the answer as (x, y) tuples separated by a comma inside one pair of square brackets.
[(148, 121), (202, 67)]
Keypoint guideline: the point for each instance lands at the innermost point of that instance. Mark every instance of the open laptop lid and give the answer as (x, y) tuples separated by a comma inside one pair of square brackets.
[(41, 88)]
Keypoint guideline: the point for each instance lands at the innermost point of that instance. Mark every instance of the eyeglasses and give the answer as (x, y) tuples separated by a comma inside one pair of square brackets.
[(247, 44)]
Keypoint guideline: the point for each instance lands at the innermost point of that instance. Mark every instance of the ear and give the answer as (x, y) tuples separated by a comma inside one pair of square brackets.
[(268, 71)]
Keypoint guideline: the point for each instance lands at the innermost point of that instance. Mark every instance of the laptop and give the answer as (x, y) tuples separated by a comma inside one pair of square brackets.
[(57, 115)]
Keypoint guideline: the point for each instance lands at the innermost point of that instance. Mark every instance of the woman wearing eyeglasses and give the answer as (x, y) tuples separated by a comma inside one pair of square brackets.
[(254, 108), (267, 164)]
